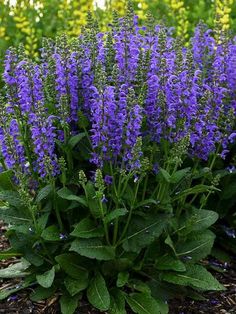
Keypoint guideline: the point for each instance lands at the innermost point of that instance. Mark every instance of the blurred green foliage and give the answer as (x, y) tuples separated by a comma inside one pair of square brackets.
[(28, 21)]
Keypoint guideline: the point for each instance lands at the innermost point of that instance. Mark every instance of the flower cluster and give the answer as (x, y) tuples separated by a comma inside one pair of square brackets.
[(132, 84)]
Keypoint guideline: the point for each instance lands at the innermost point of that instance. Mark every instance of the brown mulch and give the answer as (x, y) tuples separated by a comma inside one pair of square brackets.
[(215, 303)]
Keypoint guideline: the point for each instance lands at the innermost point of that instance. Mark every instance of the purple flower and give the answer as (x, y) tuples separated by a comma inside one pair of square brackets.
[(108, 179), (73, 84)]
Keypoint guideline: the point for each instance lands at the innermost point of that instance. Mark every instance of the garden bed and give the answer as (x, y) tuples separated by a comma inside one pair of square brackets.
[(216, 302)]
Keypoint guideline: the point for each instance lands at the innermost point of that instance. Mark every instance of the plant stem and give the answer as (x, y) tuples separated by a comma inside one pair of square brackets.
[(210, 167), (130, 215), (57, 212)]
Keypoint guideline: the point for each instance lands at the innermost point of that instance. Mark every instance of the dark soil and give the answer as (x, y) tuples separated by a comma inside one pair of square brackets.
[(215, 303)]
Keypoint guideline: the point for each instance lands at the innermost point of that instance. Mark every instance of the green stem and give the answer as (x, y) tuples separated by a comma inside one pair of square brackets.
[(130, 215), (104, 223), (57, 212), (210, 167)]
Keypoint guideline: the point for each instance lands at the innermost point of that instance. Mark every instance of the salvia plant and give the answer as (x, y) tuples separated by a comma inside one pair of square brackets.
[(108, 146)]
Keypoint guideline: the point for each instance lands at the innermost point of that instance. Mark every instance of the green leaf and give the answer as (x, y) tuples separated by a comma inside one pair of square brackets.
[(74, 140), (4, 255), (43, 220), (33, 258), (146, 203), (164, 175), (15, 270), (115, 214), (170, 243), (138, 285), (46, 279), (67, 194), (5, 180), (51, 233), (179, 175), (201, 188), (74, 286), (68, 304), (93, 248), (93, 203), (143, 231), (98, 294), (197, 246), (4, 293), (70, 263), (195, 276), (43, 193), (142, 303), (87, 228), (41, 293), (117, 302), (168, 262), (12, 197), (13, 217), (197, 220), (122, 278)]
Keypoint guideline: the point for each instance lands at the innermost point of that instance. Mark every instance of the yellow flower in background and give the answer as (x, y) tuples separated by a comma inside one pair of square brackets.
[(179, 12), (79, 10), (223, 9), (25, 23), (28, 20), (2, 32)]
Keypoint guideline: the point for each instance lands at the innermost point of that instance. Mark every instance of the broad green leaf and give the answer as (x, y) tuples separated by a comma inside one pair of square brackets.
[(179, 175), (67, 194), (33, 258), (43, 220), (117, 302), (93, 248), (139, 285), (196, 276), (51, 233), (74, 140), (41, 293), (143, 231), (197, 220), (12, 197), (201, 188), (6, 180), (70, 263), (87, 228), (43, 193), (13, 217), (74, 286), (46, 279), (115, 214), (196, 246), (15, 270), (98, 294), (142, 303), (122, 279), (68, 304), (164, 175), (168, 262)]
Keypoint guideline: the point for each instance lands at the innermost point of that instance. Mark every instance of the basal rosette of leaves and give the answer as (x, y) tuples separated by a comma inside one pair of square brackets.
[(101, 146)]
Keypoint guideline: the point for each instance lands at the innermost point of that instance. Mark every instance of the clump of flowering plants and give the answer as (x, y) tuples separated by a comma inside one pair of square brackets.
[(101, 147)]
